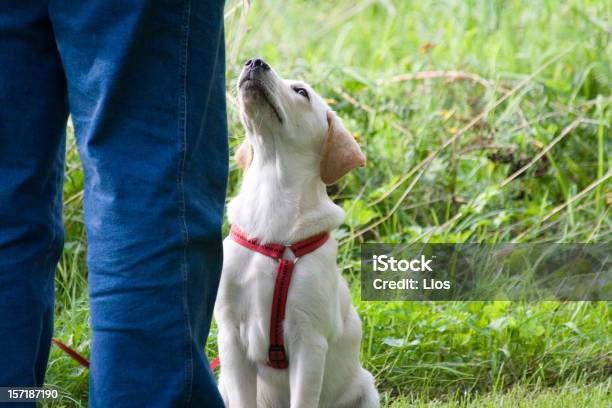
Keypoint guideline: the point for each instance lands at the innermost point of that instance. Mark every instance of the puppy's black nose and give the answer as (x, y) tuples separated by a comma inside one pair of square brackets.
[(257, 62)]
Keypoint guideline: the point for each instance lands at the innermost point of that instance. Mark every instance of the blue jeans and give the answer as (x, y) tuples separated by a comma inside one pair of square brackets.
[(144, 81)]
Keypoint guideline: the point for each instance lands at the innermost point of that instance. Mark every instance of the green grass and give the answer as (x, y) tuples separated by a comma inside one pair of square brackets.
[(570, 395), (482, 121)]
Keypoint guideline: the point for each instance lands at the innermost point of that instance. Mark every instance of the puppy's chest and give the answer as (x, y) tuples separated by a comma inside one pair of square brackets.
[(312, 303)]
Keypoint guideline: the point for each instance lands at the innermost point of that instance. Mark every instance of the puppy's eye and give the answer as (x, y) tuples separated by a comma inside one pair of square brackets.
[(302, 92)]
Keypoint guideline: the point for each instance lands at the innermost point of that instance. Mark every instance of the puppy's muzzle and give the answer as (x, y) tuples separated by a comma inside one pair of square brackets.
[(254, 68), (257, 78)]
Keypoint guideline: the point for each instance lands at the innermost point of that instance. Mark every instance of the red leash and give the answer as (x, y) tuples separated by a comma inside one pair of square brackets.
[(276, 352), (72, 353), (277, 357), (85, 362), (215, 363)]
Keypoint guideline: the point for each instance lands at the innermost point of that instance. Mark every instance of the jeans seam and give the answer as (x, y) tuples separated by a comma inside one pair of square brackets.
[(182, 133)]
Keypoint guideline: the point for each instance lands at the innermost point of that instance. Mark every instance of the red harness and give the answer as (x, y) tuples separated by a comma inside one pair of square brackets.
[(277, 358)]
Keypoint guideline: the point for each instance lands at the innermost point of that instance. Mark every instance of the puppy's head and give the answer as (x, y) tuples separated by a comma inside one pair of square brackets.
[(287, 118)]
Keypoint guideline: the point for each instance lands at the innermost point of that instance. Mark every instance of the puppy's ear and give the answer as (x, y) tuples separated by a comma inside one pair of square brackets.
[(244, 155), (340, 153)]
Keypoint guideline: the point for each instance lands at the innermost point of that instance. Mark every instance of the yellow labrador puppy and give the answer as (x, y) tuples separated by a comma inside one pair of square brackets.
[(290, 342)]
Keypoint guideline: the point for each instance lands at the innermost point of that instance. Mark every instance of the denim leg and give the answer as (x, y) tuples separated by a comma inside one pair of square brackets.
[(33, 113), (147, 96)]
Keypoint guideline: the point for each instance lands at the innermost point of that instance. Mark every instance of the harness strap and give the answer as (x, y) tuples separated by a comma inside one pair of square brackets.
[(277, 356)]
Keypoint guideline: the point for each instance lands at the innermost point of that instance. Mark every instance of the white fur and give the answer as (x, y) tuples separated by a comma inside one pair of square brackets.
[(282, 199)]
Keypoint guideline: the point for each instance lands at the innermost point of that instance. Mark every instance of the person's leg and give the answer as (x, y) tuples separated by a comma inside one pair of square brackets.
[(33, 113), (147, 96)]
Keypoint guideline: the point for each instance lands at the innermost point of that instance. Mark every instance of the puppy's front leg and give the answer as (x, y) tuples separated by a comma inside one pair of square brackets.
[(307, 366), (238, 377)]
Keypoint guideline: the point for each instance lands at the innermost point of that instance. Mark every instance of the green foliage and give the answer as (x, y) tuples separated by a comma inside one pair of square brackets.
[(569, 395), (406, 77), (443, 348)]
